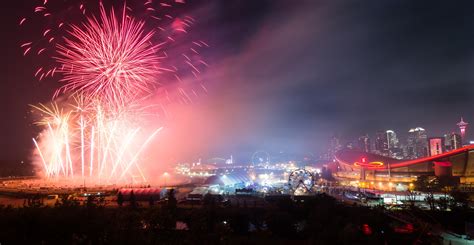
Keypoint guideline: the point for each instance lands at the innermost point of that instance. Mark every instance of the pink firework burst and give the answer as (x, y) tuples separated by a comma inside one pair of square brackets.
[(109, 58)]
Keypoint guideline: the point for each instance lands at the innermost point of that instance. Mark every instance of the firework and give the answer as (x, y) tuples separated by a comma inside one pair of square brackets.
[(108, 63), (90, 144), (116, 56), (110, 58)]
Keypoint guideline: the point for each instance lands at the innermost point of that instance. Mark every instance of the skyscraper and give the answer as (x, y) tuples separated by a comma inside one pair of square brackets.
[(436, 145), (452, 141), (393, 145), (392, 140), (334, 146), (447, 142), (364, 143), (417, 143), (381, 143)]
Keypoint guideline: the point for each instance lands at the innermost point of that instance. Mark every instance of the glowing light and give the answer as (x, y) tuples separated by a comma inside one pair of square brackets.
[(442, 164), (110, 58), (375, 164), (367, 230), (73, 137), (107, 64), (116, 50), (462, 127)]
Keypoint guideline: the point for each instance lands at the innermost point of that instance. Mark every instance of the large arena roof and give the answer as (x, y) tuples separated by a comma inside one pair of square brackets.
[(372, 161)]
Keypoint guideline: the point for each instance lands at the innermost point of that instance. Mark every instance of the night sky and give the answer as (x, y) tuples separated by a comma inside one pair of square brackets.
[(287, 75)]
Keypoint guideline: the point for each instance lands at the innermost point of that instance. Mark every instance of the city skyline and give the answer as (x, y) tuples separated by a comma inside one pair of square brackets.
[(417, 143)]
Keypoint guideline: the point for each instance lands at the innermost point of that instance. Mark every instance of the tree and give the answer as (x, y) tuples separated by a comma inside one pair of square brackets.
[(209, 201), (67, 201), (90, 202), (429, 185), (151, 201), (411, 199), (281, 223), (35, 201), (101, 201), (459, 198), (443, 203), (120, 199), (172, 202), (239, 222), (430, 200), (133, 201), (168, 213)]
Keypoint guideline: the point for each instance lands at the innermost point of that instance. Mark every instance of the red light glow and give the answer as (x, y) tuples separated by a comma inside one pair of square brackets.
[(366, 230), (443, 164)]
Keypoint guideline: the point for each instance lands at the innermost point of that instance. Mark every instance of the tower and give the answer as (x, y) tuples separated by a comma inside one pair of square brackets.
[(462, 127)]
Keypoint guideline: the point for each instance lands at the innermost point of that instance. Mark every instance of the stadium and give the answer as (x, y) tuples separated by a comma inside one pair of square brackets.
[(374, 171)]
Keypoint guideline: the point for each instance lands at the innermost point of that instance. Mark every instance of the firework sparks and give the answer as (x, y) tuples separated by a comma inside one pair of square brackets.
[(87, 48), (108, 62), (110, 58), (110, 143)]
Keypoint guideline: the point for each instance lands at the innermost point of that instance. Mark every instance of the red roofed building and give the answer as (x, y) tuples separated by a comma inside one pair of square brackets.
[(357, 165)]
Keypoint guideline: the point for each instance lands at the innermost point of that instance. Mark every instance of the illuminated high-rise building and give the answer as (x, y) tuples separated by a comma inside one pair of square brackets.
[(334, 146), (392, 140), (381, 143), (447, 142), (364, 143), (417, 143), (452, 141), (436, 145), (393, 145), (462, 128)]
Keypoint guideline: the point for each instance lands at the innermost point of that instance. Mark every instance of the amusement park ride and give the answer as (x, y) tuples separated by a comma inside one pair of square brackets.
[(301, 182)]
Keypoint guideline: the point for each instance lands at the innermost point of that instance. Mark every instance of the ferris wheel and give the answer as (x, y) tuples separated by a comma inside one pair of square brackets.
[(301, 181)]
